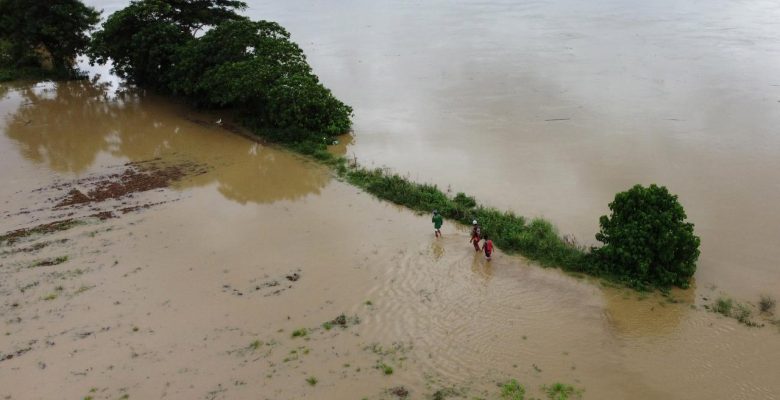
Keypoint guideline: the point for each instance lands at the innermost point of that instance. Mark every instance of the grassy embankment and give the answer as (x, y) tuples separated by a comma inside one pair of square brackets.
[(536, 239)]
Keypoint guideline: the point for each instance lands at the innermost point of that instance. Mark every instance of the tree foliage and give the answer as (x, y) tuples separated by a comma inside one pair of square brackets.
[(647, 240), (34, 33), (249, 66), (143, 38)]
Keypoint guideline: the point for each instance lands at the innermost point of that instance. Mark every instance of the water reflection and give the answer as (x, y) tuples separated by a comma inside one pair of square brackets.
[(68, 127)]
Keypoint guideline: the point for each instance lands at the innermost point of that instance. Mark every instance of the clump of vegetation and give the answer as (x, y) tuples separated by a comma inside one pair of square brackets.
[(250, 67), (561, 391), (742, 313), (723, 305), (300, 332), (386, 369), (312, 380), (40, 39), (766, 304), (341, 321), (512, 390), (730, 308), (647, 240)]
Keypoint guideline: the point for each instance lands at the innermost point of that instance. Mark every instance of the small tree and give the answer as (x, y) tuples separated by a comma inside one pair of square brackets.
[(39, 32), (646, 239)]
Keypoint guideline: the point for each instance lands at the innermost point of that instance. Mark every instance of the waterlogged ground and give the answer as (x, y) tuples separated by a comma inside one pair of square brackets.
[(147, 252)]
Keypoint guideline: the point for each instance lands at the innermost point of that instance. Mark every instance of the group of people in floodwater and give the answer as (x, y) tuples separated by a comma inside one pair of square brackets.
[(476, 234)]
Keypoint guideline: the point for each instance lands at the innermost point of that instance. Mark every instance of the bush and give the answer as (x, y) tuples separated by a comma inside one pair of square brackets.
[(561, 391), (646, 239), (766, 304), (512, 390), (723, 305)]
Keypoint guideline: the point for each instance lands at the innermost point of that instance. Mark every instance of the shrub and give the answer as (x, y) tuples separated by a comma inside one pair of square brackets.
[(512, 390), (723, 305), (743, 313), (300, 332), (386, 369), (647, 240), (766, 304), (561, 391)]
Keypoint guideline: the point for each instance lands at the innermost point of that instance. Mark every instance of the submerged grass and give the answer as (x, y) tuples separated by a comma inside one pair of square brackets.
[(742, 312)]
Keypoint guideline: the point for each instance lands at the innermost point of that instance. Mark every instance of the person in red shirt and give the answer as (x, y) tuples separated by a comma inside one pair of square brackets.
[(487, 247), (476, 235)]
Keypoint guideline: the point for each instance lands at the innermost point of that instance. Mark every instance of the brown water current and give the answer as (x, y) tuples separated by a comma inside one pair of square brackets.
[(193, 288), (549, 108)]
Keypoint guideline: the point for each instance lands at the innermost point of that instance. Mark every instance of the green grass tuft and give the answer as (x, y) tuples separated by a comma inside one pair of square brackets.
[(300, 332), (561, 391), (386, 369), (512, 390)]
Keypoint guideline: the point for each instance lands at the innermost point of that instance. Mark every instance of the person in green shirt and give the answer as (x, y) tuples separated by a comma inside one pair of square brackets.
[(437, 222)]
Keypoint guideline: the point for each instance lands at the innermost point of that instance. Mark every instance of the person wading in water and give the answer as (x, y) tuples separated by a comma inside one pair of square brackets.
[(476, 235), (488, 247), (437, 222)]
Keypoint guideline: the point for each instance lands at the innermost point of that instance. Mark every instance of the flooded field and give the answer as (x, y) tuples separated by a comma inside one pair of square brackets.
[(243, 271), (148, 252)]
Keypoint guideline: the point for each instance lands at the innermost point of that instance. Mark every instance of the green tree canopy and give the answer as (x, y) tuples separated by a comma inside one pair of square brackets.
[(142, 39), (34, 30), (249, 66), (647, 240)]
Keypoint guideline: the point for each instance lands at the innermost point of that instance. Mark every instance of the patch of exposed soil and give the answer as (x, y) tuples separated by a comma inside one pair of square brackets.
[(87, 193), (137, 177), (51, 227)]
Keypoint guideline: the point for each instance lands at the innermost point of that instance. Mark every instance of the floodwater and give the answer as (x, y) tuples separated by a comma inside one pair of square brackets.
[(549, 108), (165, 298), (543, 108)]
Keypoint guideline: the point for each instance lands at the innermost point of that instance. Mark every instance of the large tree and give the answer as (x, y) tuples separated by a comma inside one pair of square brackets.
[(143, 38), (36, 32), (204, 51)]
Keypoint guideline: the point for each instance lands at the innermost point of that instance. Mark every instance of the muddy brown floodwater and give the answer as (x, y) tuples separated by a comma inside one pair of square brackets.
[(549, 108), (147, 252)]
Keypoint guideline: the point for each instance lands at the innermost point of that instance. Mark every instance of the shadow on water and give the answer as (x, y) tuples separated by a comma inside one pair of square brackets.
[(74, 127)]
